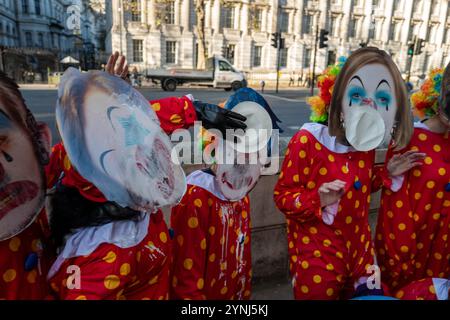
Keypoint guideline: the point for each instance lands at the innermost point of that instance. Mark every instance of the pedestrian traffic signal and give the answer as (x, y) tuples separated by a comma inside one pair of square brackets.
[(411, 49), (419, 46), (275, 37), (323, 38)]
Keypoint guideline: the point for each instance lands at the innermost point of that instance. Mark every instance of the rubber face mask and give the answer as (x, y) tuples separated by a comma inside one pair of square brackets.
[(236, 180), (22, 178), (114, 140), (369, 107)]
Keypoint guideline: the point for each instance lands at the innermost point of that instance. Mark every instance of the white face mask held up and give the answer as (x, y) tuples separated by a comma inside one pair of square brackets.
[(114, 140)]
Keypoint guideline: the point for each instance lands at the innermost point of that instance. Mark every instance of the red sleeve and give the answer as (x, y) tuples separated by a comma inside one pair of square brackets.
[(189, 258), (103, 276), (293, 195), (174, 113), (55, 166)]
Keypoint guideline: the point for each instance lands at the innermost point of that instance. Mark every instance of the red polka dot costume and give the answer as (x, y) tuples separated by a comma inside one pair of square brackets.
[(24, 263), (425, 289), (117, 261), (212, 258), (326, 259), (121, 259), (413, 229)]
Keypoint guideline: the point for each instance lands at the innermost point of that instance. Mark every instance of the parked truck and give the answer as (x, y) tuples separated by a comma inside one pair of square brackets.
[(219, 73)]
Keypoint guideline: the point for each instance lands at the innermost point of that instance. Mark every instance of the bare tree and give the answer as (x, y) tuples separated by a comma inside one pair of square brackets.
[(200, 12)]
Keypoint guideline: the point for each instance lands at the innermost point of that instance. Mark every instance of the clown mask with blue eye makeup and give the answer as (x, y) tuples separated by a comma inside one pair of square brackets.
[(369, 107)]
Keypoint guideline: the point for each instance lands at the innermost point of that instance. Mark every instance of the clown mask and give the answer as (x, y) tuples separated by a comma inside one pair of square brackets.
[(114, 140), (237, 173), (369, 107)]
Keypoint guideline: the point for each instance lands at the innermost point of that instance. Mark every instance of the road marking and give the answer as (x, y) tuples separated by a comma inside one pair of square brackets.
[(283, 98)]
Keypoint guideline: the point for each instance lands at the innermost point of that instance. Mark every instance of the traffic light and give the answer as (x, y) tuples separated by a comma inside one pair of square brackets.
[(275, 37), (323, 38), (411, 49), (419, 46)]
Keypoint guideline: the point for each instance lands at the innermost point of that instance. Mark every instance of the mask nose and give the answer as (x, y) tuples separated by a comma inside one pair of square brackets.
[(369, 102)]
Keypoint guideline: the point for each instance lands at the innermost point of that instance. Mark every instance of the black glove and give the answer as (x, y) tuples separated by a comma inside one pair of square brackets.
[(215, 117)]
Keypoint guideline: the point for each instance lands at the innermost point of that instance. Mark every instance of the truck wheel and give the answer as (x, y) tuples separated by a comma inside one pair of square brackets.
[(236, 85), (163, 86), (170, 84)]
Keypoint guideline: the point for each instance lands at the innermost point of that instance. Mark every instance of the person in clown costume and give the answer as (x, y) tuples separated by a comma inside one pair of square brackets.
[(425, 289), (111, 174), (328, 174), (412, 238), (211, 224), (25, 250)]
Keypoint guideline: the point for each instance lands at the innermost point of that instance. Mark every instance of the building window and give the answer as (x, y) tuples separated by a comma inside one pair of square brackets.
[(307, 23), (334, 26), (376, 3), (37, 7), (40, 40), (331, 57), (307, 58), (257, 56), (284, 23), (170, 12), (395, 31), (29, 39), (136, 10), (283, 57), (229, 53), (228, 17), (257, 19), (138, 50), (352, 28), (171, 49), (398, 5), (417, 6), (25, 8), (435, 8)]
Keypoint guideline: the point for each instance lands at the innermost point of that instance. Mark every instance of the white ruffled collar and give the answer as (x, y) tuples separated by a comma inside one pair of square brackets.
[(123, 234), (320, 132), (421, 125), (205, 181)]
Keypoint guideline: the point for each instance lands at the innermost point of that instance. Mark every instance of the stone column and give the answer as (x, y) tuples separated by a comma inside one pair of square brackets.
[(151, 14), (244, 20), (216, 16), (177, 12), (185, 15)]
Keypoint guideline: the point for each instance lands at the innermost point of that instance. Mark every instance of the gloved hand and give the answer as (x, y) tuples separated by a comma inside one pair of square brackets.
[(215, 117)]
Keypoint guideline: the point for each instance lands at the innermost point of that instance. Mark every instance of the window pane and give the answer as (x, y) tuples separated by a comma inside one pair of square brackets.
[(284, 23), (171, 52), (37, 5), (307, 58), (228, 17), (306, 24), (170, 12), (135, 8), (138, 48), (283, 57), (257, 56), (229, 53)]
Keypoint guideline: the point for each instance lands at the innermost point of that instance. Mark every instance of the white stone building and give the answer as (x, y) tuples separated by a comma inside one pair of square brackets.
[(35, 35), (162, 33)]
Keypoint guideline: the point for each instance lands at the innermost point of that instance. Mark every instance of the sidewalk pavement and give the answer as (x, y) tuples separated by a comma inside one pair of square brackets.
[(280, 289)]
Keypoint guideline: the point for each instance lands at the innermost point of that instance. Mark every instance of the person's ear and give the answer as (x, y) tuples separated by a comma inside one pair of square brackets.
[(44, 142)]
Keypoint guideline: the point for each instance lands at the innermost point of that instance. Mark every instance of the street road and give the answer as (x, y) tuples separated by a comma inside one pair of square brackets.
[(289, 105)]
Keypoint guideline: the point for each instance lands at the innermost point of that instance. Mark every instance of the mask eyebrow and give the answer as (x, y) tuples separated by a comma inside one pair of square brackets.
[(108, 112), (357, 78), (102, 159), (384, 81)]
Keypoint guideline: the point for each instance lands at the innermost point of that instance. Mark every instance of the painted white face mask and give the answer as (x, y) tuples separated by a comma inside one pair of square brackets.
[(114, 140), (369, 107), (236, 180)]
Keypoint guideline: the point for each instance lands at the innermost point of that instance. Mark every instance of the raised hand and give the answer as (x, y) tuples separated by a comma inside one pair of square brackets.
[(117, 65), (215, 117), (401, 163), (331, 192)]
